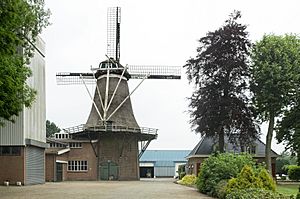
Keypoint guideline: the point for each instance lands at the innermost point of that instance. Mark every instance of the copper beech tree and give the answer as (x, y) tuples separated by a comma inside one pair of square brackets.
[(220, 73)]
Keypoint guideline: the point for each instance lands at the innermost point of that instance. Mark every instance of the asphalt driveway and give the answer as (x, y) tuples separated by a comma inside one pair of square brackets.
[(144, 189)]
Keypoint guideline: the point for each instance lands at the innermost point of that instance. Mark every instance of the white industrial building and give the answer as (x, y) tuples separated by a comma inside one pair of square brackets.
[(23, 143)]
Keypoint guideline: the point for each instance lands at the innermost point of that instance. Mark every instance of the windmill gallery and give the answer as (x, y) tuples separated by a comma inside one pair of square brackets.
[(108, 146)]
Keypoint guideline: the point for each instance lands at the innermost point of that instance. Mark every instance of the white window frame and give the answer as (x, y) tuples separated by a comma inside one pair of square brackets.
[(77, 165), (75, 145)]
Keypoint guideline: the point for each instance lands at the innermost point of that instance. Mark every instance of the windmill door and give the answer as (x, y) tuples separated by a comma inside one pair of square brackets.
[(109, 171)]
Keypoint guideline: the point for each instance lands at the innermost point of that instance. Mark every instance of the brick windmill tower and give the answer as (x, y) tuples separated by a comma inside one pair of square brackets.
[(120, 140)]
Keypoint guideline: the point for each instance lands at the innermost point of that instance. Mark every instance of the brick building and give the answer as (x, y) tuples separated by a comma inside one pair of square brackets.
[(69, 159)]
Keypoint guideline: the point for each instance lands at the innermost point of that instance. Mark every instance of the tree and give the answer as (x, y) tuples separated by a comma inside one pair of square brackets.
[(219, 105), (288, 130), (51, 128), (283, 161), (20, 23), (275, 72)]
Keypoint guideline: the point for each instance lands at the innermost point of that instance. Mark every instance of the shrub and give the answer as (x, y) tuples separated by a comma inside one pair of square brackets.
[(294, 172), (267, 180), (181, 175), (245, 180), (220, 167), (298, 195), (286, 168), (181, 169), (255, 194), (188, 180), (221, 189), (249, 179)]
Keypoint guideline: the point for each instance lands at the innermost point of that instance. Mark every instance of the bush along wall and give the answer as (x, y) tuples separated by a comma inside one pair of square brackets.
[(220, 167)]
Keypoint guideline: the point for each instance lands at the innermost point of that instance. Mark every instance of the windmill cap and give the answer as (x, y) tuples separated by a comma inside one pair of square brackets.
[(113, 66)]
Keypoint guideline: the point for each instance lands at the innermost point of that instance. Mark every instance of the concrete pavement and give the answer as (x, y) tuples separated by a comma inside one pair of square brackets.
[(144, 189)]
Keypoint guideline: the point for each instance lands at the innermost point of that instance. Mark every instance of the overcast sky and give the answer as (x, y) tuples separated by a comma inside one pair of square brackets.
[(153, 32)]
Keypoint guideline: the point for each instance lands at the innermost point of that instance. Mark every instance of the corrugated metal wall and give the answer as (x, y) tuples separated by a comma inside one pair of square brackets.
[(35, 116), (12, 133), (31, 122), (164, 171), (34, 165)]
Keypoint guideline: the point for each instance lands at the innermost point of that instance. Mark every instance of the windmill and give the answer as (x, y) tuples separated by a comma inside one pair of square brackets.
[(111, 120)]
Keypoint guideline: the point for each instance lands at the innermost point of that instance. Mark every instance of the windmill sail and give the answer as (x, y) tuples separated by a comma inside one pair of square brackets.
[(154, 72), (135, 72), (113, 32)]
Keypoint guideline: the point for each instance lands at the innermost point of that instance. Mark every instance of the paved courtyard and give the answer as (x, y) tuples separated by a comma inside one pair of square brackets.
[(144, 189)]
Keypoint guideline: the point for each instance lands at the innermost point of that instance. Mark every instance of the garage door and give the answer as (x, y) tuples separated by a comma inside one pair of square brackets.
[(35, 165)]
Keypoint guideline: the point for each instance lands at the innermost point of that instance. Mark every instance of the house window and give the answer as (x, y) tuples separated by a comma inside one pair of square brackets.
[(216, 147), (10, 151), (252, 150), (77, 165), (75, 145), (249, 149)]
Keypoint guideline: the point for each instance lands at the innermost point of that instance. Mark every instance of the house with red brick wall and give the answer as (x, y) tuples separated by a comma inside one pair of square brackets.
[(208, 146)]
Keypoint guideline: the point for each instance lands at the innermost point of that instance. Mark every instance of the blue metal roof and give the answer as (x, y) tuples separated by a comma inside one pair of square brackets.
[(164, 164), (164, 155)]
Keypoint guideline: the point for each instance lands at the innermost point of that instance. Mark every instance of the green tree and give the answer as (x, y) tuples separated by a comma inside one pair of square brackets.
[(51, 128), (275, 72), (20, 23), (283, 161), (288, 131), (219, 105)]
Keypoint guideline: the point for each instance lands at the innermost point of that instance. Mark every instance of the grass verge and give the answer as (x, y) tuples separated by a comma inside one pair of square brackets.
[(288, 189)]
